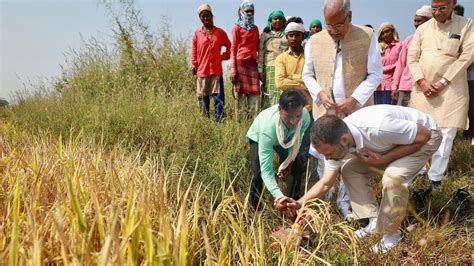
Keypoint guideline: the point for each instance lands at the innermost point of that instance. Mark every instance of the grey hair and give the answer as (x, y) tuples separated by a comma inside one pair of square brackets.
[(344, 4)]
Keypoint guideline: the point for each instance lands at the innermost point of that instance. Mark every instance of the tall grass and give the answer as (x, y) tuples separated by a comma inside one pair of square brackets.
[(74, 202), (113, 164)]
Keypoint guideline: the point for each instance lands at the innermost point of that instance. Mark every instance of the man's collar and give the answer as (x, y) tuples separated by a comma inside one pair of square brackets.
[(449, 20), (290, 51), (357, 137)]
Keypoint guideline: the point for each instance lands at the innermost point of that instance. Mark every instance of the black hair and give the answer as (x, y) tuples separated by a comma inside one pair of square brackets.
[(295, 19), (459, 10), (292, 99), (328, 129)]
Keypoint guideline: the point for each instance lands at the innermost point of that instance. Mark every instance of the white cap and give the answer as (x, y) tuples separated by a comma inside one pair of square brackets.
[(424, 11), (293, 26)]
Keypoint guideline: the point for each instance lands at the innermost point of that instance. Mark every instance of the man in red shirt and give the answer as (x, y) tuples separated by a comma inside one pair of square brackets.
[(206, 60)]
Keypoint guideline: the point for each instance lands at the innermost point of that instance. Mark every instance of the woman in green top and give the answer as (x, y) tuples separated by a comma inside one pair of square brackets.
[(272, 43)]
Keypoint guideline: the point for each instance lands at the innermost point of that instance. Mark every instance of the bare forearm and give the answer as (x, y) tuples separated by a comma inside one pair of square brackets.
[(319, 189)]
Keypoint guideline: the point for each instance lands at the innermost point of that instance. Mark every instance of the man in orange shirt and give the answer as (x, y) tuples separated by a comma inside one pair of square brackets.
[(206, 59)]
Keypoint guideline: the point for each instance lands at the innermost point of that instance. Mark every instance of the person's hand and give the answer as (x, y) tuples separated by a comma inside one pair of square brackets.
[(437, 87), (289, 77), (288, 206), (326, 99), (369, 157), (261, 76), (194, 71), (233, 78), (394, 95), (347, 106), (427, 89), (283, 174)]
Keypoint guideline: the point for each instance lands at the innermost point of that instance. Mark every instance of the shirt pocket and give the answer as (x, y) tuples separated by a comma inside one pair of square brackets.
[(451, 47)]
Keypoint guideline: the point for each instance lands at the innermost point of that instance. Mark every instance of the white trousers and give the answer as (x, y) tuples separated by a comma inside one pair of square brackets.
[(440, 159)]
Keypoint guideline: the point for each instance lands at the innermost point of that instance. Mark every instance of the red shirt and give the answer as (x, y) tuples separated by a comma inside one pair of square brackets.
[(206, 54), (244, 45)]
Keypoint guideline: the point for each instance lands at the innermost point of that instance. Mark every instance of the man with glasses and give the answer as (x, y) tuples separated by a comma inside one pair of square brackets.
[(438, 58), (342, 69)]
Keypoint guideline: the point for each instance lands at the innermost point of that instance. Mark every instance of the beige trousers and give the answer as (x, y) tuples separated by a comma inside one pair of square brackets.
[(396, 179)]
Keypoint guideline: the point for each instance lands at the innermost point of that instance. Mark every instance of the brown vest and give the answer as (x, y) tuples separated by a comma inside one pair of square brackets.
[(355, 50)]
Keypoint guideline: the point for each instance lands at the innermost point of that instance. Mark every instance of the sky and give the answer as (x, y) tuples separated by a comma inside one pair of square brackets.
[(35, 35)]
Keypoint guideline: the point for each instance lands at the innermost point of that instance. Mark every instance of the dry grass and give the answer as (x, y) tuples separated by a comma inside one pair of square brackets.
[(72, 202)]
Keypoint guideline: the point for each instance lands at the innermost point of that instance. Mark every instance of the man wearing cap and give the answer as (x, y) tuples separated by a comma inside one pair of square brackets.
[(289, 64), (206, 60), (343, 67), (438, 57), (401, 82)]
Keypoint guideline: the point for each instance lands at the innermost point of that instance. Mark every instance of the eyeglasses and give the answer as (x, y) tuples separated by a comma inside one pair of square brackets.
[(439, 8), (337, 26)]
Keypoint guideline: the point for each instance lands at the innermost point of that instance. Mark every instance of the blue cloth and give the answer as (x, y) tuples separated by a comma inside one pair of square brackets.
[(219, 100), (382, 97)]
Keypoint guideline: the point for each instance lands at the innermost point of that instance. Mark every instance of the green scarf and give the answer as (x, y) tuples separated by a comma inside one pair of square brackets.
[(276, 13)]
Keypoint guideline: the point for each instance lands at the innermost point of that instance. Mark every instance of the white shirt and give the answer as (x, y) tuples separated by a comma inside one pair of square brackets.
[(365, 89), (380, 128)]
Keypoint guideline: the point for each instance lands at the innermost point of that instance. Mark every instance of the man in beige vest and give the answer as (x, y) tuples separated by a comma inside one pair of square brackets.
[(342, 68), (440, 53)]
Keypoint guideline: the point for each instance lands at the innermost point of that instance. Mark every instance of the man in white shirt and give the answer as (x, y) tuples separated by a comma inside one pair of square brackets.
[(342, 69), (394, 140)]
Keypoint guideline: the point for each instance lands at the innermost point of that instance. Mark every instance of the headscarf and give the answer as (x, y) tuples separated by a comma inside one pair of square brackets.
[(424, 11), (276, 13), (386, 26), (204, 7), (245, 20), (293, 26), (315, 21)]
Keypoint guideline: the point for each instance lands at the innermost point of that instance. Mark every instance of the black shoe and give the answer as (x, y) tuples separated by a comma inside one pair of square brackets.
[(435, 184)]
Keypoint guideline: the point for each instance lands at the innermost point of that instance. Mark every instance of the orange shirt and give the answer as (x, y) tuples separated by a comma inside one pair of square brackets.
[(244, 45), (206, 54)]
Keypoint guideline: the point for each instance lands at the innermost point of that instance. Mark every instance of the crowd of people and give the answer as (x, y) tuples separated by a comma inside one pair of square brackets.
[(343, 101)]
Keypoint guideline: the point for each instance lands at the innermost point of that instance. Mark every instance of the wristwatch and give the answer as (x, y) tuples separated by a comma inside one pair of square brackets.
[(444, 81)]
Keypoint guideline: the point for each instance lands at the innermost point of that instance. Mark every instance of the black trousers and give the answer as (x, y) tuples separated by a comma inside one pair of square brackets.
[(298, 171), (470, 132)]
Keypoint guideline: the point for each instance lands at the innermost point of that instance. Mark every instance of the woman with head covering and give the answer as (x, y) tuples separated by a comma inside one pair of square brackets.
[(315, 26), (390, 48), (271, 44), (243, 61), (206, 60), (402, 82)]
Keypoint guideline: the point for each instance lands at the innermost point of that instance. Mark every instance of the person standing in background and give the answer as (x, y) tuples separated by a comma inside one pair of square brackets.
[(272, 43), (439, 55), (243, 62), (315, 26), (206, 60), (469, 133), (402, 82), (390, 48)]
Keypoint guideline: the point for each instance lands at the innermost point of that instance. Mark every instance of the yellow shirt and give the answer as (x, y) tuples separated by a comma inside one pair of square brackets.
[(288, 70), (443, 50)]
